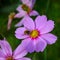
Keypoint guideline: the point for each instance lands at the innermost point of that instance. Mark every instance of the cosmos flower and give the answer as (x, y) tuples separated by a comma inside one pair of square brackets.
[(26, 9), (7, 54), (36, 34)]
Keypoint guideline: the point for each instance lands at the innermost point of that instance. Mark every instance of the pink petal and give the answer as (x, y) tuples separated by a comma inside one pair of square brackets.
[(50, 38), (25, 42), (33, 3), (19, 33), (2, 58), (20, 30), (20, 14), (40, 45), (28, 44), (20, 23), (1, 53), (29, 23), (19, 8), (24, 1), (21, 49), (6, 48), (21, 36), (24, 58), (30, 47), (48, 27), (40, 21), (34, 13), (20, 52)]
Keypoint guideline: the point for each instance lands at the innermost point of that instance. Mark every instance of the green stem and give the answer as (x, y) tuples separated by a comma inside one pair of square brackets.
[(34, 56), (47, 6), (45, 54)]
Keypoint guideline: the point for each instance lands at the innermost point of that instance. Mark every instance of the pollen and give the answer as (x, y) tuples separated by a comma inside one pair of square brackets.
[(26, 8), (9, 58), (34, 34)]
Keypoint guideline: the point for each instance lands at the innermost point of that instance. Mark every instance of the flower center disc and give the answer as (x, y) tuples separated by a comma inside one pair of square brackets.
[(9, 58), (34, 34), (26, 8)]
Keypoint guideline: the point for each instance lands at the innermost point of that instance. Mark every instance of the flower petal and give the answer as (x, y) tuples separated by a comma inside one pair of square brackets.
[(20, 52), (29, 23), (40, 45), (19, 8), (21, 36), (6, 48), (34, 13), (50, 38), (2, 58), (1, 53), (21, 49), (20, 23), (22, 46), (40, 21), (20, 30), (24, 1), (48, 27), (30, 47), (19, 33), (20, 14), (33, 2), (28, 44)]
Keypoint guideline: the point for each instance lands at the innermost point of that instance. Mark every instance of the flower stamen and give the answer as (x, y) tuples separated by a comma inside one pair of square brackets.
[(26, 8), (9, 58), (34, 34)]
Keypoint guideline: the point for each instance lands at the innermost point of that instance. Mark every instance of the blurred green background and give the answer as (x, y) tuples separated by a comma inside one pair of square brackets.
[(50, 8)]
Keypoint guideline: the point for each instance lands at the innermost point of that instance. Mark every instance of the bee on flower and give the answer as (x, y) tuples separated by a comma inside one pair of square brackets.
[(36, 34)]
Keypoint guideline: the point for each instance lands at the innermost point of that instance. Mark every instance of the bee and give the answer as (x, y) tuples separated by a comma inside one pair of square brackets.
[(27, 32)]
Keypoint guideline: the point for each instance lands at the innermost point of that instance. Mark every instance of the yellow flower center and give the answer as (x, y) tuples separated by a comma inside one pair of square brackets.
[(9, 58), (26, 8), (34, 34)]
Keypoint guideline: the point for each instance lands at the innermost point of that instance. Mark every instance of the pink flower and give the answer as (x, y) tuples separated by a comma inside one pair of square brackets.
[(36, 34), (7, 54), (26, 9)]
